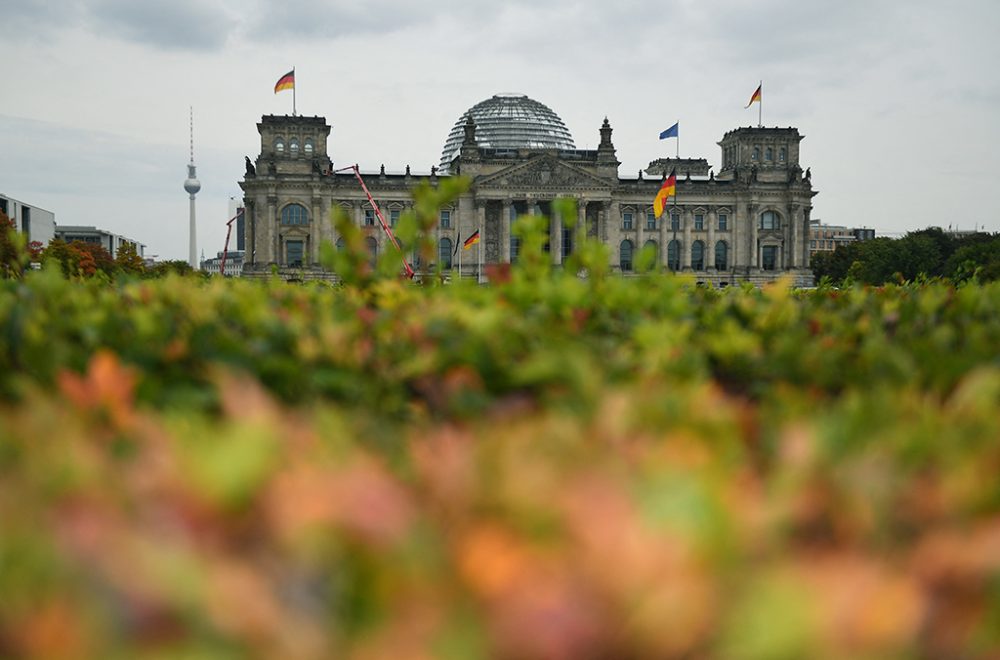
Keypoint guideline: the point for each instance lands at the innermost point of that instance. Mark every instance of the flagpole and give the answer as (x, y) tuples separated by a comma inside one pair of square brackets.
[(460, 249), (678, 139), (293, 91), (760, 106)]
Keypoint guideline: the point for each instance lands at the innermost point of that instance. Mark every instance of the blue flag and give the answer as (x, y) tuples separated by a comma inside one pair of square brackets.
[(670, 132)]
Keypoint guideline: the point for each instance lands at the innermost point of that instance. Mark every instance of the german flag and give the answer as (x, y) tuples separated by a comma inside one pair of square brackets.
[(668, 188), (286, 81), (471, 240), (755, 97)]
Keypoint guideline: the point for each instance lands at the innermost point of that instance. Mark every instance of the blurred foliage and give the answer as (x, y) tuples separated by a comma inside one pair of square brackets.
[(559, 464)]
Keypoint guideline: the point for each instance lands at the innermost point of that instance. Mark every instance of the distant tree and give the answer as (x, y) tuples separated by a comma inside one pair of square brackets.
[(13, 254), (164, 268), (979, 258), (78, 258), (128, 260)]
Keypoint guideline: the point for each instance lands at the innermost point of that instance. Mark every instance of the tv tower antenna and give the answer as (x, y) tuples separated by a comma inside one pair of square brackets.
[(192, 186)]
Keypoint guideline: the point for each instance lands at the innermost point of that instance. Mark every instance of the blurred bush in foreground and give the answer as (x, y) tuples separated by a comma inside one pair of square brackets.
[(548, 467)]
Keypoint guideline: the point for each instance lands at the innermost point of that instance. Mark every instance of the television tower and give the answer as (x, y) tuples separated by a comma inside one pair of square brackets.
[(192, 186)]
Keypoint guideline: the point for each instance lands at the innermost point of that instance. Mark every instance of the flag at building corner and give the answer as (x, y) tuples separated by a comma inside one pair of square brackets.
[(756, 96), (471, 240), (286, 81), (670, 132), (668, 188)]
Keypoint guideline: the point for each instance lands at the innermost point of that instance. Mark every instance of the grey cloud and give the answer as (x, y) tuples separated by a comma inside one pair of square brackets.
[(23, 19), (164, 24)]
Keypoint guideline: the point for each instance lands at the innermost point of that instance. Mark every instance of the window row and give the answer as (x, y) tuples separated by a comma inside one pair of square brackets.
[(626, 250), (769, 154), (293, 146), (699, 224), (296, 214), (446, 250)]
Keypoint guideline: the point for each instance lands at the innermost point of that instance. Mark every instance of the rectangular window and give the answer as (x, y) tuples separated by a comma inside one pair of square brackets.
[(769, 257), (675, 222), (650, 220), (369, 217), (393, 217), (812, 244), (293, 252), (445, 219), (723, 222), (699, 222), (627, 220)]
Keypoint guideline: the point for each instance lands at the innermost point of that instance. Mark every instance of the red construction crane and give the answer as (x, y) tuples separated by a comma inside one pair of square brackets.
[(371, 200), (385, 226)]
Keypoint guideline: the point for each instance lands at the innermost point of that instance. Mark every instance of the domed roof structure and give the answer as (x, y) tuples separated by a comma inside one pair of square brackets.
[(509, 121)]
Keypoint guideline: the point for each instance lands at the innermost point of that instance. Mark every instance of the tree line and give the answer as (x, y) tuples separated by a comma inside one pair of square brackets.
[(76, 258), (927, 253)]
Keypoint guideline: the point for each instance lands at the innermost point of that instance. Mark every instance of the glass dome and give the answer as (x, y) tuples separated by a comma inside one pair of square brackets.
[(509, 121)]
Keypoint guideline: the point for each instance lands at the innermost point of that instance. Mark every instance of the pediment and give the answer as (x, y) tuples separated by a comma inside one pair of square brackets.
[(543, 172)]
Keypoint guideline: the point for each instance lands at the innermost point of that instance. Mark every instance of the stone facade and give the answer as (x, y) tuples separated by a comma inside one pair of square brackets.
[(750, 222)]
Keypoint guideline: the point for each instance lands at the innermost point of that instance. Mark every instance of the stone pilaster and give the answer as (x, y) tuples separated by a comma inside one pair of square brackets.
[(712, 218), (686, 247)]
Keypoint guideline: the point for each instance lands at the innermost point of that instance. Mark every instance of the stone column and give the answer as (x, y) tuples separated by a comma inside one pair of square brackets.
[(271, 231), (712, 217), (805, 237), (505, 232), (480, 246), (315, 230), (555, 237), (686, 248), (640, 228), (792, 250), (754, 248)]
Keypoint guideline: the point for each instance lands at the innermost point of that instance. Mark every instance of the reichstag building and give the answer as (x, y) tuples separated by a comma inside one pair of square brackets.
[(748, 222)]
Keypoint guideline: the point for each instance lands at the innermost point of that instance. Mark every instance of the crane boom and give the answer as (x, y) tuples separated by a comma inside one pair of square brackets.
[(385, 227)]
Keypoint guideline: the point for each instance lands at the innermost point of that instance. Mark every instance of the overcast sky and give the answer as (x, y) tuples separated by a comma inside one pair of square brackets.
[(899, 102)]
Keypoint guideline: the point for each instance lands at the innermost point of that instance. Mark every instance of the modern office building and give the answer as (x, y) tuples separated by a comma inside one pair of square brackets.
[(109, 241), (38, 224), (747, 222)]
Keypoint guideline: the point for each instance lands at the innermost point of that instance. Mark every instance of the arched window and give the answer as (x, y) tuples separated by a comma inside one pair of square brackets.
[(625, 256), (756, 154), (655, 247), (341, 244), (698, 255), (769, 220), (674, 255), (372, 245), (294, 214), (721, 256), (444, 253), (782, 154), (293, 147), (769, 154), (279, 145), (307, 147)]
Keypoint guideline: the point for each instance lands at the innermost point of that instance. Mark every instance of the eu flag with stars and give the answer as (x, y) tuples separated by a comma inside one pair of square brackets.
[(670, 132)]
